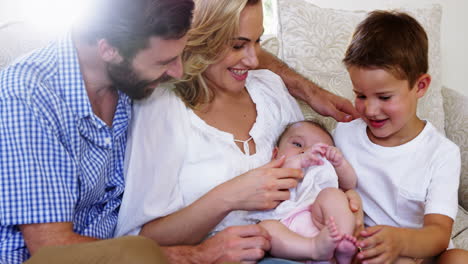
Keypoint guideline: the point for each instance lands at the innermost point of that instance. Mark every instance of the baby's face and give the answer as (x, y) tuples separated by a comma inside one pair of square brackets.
[(300, 137)]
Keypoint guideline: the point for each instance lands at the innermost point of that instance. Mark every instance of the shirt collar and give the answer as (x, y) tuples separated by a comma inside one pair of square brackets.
[(70, 80), (71, 84)]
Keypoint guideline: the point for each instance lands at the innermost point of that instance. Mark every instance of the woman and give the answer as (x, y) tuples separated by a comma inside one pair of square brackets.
[(193, 147)]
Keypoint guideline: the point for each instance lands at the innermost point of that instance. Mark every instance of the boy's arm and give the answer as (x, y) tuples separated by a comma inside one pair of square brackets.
[(384, 244), (322, 101)]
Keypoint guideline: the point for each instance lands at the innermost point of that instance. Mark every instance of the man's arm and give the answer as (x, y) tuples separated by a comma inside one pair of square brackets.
[(37, 236), (322, 101), (234, 244)]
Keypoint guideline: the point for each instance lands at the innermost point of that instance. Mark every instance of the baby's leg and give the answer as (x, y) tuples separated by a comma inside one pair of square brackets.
[(285, 243), (332, 202)]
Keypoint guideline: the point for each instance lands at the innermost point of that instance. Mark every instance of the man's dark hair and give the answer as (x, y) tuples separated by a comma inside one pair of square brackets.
[(128, 24), (390, 40)]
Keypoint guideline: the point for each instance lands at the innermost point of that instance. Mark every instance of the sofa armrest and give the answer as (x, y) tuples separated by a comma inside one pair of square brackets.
[(456, 129)]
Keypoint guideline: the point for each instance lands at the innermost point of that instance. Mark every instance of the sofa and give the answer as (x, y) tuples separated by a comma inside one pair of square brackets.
[(312, 40)]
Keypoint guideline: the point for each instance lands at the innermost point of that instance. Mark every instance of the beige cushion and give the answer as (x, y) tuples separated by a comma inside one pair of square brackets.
[(460, 229), (456, 127), (18, 38), (313, 40)]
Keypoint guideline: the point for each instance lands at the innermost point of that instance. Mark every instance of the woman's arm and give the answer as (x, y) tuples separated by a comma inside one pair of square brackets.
[(259, 189), (189, 225), (322, 101)]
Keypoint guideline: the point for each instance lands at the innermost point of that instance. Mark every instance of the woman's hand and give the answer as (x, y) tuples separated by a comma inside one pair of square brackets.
[(260, 189)]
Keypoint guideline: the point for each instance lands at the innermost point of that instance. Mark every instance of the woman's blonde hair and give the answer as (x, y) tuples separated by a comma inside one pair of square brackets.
[(215, 24)]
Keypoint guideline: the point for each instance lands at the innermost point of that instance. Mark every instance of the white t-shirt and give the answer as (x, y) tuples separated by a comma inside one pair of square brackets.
[(316, 178), (173, 157), (399, 185)]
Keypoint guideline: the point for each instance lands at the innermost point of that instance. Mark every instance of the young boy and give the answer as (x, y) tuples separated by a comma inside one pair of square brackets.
[(316, 222), (408, 172)]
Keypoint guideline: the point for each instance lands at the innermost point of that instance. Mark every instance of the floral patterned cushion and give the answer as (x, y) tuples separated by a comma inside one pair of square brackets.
[(456, 127)]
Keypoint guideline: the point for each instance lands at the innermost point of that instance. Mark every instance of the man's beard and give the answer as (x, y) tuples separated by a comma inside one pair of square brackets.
[(125, 79)]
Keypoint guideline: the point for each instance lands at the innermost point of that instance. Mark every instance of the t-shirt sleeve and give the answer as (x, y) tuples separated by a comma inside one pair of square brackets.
[(153, 160), (38, 176), (442, 195)]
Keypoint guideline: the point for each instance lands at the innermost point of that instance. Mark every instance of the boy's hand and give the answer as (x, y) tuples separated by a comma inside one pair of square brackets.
[(334, 155), (380, 245)]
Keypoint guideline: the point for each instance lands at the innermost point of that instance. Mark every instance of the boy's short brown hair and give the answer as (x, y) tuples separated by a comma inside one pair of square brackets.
[(393, 41)]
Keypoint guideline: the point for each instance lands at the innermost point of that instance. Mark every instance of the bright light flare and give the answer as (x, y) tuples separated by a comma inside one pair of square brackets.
[(52, 15)]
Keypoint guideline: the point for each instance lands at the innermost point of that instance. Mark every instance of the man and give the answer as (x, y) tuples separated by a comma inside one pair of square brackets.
[(64, 114)]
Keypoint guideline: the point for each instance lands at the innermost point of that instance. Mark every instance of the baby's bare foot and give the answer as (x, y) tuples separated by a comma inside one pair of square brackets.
[(326, 241), (345, 249)]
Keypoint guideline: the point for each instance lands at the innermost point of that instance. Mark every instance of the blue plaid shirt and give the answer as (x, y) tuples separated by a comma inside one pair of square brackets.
[(58, 161)]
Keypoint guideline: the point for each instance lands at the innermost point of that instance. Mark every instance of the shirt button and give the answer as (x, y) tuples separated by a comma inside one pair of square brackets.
[(107, 141)]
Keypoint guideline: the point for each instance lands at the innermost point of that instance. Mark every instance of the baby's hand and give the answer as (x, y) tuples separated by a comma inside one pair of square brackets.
[(334, 155), (318, 149), (310, 157)]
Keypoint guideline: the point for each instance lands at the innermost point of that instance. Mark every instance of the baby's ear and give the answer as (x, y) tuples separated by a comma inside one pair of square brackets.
[(422, 84), (275, 153)]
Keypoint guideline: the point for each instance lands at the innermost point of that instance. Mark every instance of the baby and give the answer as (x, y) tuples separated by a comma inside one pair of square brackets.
[(316, 222)]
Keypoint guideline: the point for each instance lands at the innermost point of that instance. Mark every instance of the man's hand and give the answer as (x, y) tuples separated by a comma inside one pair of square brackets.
[(329, 104), (235, 244), (381, 245), (322, 101)]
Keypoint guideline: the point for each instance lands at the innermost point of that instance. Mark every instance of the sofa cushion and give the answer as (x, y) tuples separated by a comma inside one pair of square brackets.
[(313, 40), (17, 38), (456, 127), (460, 229)]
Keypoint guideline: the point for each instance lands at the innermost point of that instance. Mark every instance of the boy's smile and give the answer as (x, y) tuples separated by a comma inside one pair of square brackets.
[(388, 105)]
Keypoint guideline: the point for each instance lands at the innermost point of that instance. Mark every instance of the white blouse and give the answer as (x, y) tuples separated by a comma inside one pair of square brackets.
[(173, 157)]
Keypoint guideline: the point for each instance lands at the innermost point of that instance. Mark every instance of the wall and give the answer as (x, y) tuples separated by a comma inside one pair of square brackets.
[(454, 33)]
